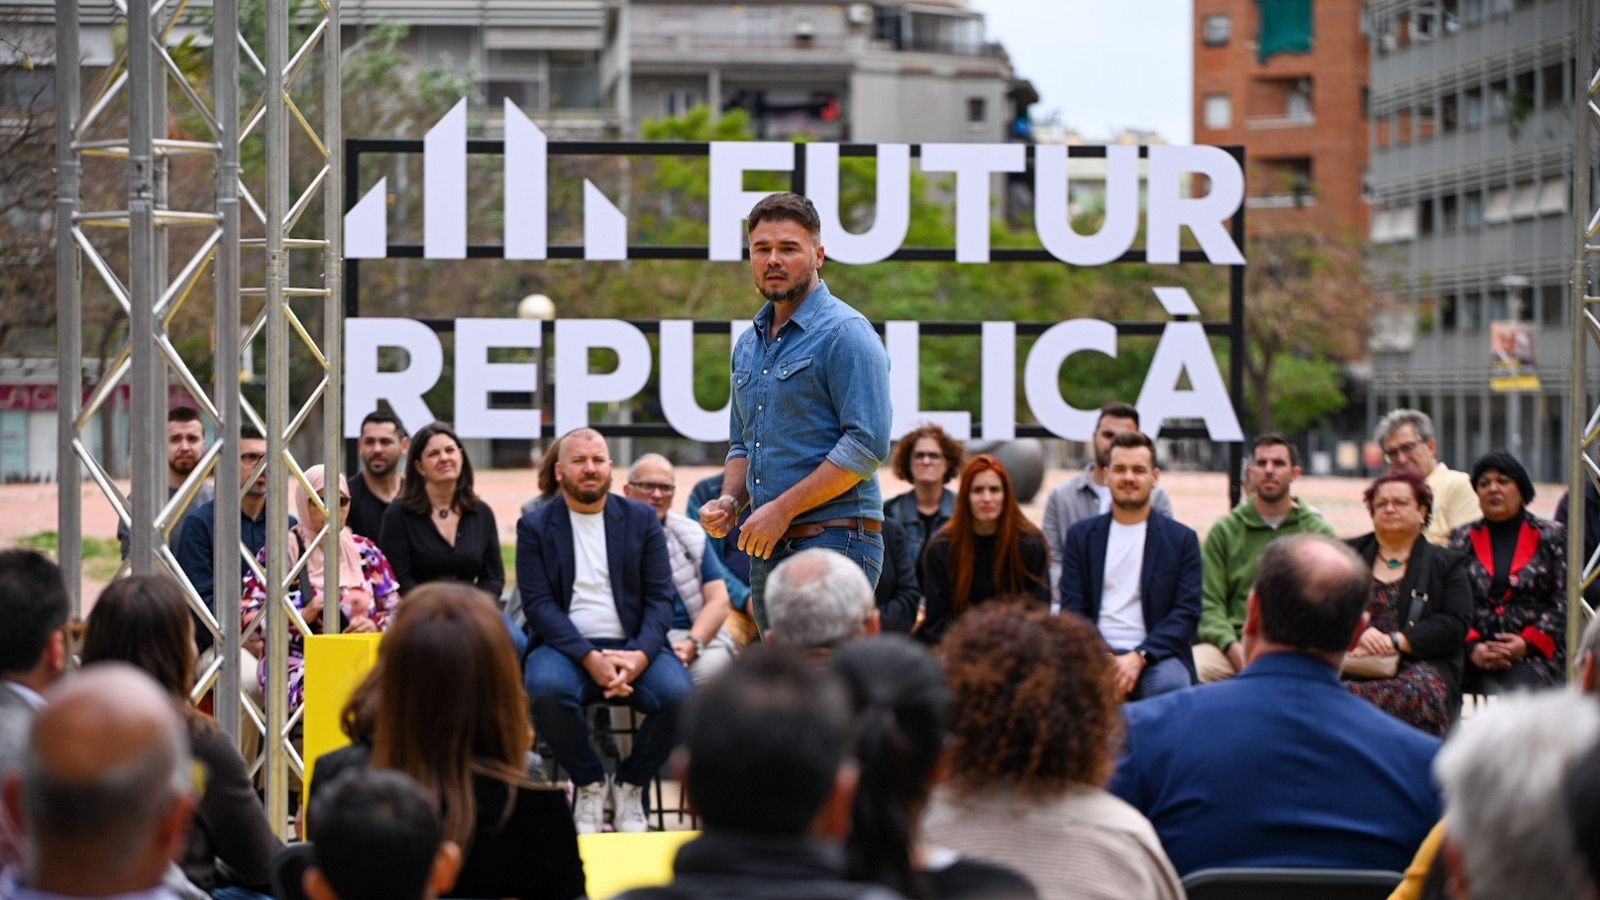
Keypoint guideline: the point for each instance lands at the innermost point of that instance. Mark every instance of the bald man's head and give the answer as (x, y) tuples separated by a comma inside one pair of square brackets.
[(818, 599), (105, 778), (1311, 591)]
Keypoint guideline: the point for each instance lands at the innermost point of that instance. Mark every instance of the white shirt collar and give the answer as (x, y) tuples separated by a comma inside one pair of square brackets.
[(32, 697)]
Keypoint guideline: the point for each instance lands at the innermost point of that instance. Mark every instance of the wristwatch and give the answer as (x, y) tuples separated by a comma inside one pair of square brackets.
[(699, 645), (732, 501), (1143, 654)]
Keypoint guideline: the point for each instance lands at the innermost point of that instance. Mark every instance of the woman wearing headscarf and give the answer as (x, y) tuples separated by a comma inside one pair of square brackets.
[(1517, 563), (368, 591)]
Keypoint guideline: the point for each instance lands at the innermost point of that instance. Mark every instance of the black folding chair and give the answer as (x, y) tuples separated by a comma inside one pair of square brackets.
[(1301, 884)]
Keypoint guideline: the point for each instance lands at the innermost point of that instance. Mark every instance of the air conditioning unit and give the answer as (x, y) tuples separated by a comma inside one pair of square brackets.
[(859, 14)]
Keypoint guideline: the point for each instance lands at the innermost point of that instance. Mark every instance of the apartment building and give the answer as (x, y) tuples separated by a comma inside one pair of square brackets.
[(1287, 80), (1470, 139)]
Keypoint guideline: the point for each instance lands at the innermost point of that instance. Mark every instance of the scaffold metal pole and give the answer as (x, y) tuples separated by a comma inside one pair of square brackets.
[(1585, 330)]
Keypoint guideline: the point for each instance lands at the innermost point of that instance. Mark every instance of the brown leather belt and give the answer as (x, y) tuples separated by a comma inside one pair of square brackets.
[(812, 529)]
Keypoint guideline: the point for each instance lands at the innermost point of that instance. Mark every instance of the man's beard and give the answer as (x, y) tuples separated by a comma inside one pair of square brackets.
[(586, 497), (377, 465), (1102, 460), (798, 292), (182, 466), (1271, 498), (1130, 505)]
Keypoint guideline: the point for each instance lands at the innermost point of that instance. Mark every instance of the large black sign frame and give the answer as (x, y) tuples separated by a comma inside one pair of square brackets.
[(1232, 328)]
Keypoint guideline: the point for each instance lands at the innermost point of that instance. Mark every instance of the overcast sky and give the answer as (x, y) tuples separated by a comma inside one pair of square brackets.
[(1102, 64)]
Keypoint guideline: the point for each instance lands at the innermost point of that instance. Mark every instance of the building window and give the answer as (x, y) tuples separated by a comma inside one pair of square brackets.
[(977, 110), (1217, 31), (1472, 108), (1553, 305), (1472, 210), (1555, 92), (1218, 111)]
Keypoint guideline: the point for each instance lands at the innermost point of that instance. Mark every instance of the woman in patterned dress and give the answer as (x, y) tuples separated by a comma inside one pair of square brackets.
[(1419, 606), (368, 591), (1517, 563)]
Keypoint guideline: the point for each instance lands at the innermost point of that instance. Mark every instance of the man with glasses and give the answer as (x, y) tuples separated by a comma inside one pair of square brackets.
[(701, 603), (1407, 439)]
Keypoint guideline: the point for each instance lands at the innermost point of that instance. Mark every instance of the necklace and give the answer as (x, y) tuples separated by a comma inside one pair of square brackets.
[(1393, 562), (444, 513)]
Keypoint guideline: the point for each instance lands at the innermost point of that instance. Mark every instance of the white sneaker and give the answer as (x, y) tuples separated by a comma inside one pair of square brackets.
[(589, 807), (627, 807)]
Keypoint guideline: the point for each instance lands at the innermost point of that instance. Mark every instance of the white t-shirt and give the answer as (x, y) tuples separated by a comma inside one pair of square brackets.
[(594, 609), (1103, 493), (1121, 613)]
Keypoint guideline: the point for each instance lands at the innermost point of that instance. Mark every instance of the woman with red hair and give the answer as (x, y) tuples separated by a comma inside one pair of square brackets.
[(986, 550)]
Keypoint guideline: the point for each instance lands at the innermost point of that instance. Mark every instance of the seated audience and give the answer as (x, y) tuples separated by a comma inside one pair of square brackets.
[(764, 761), (1136, 574), (1507, 773), (596, 585), (1233, 545), (1089, 494), (444, 705), (1583, 813), (818, 600), (700, 592), (368, 592), (1303, 774), (382, 446), (927, 458), (1517, 567), (102, 791), (375, 836), (902, 706), (438, 528), (1407, 439), (988, 549), (898, 598), (1418, 604), (34, 653), (1034, 736), (545, 479), (33, 645), (143, 620), (734, 560)]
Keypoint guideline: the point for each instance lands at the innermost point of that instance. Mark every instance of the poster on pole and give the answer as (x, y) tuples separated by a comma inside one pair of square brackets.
[(1513, 366)]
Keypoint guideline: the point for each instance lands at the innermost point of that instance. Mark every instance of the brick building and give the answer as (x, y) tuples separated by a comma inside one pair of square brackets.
[(1288, 80)]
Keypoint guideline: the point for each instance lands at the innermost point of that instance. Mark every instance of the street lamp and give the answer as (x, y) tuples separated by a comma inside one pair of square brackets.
[(541, 308)]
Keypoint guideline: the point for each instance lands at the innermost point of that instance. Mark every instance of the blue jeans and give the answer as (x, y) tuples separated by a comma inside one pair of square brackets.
[(863, 547), (560, 688), (1161, 677)]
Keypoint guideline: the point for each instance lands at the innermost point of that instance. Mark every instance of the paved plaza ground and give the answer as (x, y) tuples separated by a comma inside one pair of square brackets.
[(1199, 499)]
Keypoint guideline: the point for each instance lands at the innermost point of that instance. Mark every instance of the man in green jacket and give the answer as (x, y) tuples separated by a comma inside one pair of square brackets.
[(1234, 545)]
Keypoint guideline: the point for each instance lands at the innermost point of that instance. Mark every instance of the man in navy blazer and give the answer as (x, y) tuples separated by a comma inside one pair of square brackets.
[(1135, 573), (597, 591), (1281, 766)]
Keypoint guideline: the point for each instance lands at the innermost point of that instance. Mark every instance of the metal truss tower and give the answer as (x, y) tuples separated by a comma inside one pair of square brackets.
[(129, 113), (1581, 569)]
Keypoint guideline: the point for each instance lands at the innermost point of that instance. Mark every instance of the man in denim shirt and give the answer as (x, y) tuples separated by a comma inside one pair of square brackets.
[(809, 423)]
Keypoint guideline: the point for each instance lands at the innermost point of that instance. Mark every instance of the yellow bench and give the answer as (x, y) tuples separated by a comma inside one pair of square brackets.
[(613, 863)]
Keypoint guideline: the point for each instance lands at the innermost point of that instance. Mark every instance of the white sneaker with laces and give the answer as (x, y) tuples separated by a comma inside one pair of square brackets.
[(627, 807), (589, 807)]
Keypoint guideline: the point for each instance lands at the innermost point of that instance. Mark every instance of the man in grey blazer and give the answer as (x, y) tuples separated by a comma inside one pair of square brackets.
[(33, 655), (1089, 494)]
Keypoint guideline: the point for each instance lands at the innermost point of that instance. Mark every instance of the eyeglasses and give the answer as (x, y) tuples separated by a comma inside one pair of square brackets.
[(653, 487), (1405, 449), (343, 500), (926, 456)]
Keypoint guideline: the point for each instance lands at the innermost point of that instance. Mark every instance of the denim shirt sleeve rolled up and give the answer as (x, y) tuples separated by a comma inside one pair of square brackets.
[(817, 391)]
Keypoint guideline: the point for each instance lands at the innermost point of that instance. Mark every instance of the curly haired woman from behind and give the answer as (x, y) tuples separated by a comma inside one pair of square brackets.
[(1034, 734)]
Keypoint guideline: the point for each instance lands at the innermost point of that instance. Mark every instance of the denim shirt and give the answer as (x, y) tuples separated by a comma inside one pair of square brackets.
[(817, 391)]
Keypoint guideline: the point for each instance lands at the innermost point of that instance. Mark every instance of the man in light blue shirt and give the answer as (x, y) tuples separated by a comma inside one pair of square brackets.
[(809, 422)]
